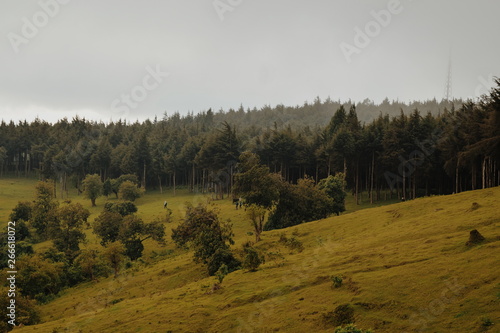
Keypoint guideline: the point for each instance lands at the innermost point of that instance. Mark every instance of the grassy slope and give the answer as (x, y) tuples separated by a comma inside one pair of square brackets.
[(405, 268)]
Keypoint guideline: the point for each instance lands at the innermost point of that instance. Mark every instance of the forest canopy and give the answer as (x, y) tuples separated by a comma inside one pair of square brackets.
[(413, 149)]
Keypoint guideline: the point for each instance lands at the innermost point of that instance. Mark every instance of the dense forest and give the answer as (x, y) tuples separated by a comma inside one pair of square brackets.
[(409, 150)]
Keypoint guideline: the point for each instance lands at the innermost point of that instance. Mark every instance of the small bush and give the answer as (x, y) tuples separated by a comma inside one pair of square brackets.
[(292, 243), (486, 322), (277, 257), (283, 238), (220, 257), (221, 273), (336, 281), (122, 208), (342, 315), (129, 191), (133, 248), (116, 300), (252, 259), (295, 244)]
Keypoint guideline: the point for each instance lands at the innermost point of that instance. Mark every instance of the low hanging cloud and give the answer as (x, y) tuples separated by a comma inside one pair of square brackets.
[(59, 58)]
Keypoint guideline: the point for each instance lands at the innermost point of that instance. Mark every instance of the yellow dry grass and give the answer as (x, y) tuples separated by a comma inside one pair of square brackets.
[(405, 268)]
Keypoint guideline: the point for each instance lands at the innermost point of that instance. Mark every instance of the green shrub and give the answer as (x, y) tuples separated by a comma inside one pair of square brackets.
[(221, 273), (277, 257), (122, 208), (343, 314), (295, 244), (129, 191), (116, 300), (337, 281), (486, 322), (292, 243), (22, 211), (133, 248), (27, 310), (221, 257), (252, 259), (283, 238), (38, 277)]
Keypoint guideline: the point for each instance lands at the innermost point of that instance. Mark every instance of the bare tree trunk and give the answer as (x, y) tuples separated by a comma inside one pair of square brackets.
[(144, 176), (62, 185), (230, 180), (159, 182), (174, 182), (484, 173), (414, 185), (473, 176), (193, 178), (495, 183), (490, 172), (371, 180), (203, 181), (66, 184), (357, 183), (26, 164), (498, 178), (404, 183), (17, 164)]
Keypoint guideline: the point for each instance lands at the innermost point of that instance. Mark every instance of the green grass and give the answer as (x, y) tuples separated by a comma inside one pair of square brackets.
[(404, 267), (13, 190)]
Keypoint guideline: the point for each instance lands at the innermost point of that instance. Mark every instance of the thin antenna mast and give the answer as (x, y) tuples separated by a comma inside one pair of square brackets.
[(448, 88)]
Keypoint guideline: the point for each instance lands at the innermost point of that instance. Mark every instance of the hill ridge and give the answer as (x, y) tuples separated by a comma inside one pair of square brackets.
[(405, 268)]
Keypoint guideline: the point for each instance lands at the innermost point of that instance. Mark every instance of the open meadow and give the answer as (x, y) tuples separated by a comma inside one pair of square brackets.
[(404, 267)]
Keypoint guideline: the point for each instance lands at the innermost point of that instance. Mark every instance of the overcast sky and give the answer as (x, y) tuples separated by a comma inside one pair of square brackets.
[(111, 59)]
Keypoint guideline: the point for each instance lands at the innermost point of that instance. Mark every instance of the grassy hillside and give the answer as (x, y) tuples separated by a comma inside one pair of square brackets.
[(405, 268)]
